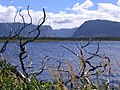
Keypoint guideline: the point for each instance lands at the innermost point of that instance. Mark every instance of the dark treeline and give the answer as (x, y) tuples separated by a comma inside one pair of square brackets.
[(2, 39)]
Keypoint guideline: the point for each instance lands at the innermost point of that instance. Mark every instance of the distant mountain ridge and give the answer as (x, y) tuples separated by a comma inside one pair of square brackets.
[(98, 28), (91, 28), (46, 30), (65, 32), (5, 28)]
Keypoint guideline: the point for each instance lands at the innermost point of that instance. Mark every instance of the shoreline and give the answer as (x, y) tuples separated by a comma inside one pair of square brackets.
[(51, 39)]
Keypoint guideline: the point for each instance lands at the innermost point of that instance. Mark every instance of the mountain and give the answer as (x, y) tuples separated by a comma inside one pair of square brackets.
[(98, 28), (5, 28), (64, 32), (47, 31)]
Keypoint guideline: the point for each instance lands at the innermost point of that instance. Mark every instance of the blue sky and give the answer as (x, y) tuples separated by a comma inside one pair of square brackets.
[(50, 5), (62, 13)]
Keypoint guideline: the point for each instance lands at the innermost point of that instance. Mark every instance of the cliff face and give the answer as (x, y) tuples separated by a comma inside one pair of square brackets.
[(98, 28), (47, 31), (5, 28)]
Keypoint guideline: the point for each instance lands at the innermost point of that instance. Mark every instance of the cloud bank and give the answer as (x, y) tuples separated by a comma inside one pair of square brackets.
[(79, 14)]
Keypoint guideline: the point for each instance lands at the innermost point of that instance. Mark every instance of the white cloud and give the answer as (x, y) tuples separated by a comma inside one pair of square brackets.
[(108, 7), (7, 13), (118, 3), (105, 11), (87, 4), (81, 7), (19, 7), (79, 14)]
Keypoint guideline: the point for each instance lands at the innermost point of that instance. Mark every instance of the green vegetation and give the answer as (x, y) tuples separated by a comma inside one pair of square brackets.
[(9, 80)]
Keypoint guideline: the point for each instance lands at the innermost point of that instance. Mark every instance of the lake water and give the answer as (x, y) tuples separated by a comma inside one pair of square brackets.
[(53, 52)]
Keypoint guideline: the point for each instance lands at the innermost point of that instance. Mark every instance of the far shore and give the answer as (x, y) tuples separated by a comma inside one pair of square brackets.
[(57, 39)]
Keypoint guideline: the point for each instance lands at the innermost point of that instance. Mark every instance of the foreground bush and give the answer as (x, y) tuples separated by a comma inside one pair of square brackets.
[(9, 79)]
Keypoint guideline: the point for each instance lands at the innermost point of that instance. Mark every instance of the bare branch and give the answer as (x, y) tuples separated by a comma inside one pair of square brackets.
[(89, 42), (38, 29), (93, 54), (70, 50)]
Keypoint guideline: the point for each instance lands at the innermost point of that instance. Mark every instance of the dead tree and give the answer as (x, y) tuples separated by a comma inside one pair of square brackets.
[(84, 72), (23, 42)]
